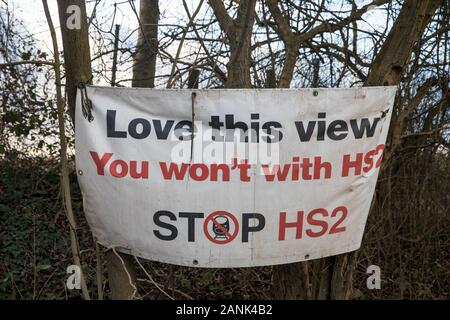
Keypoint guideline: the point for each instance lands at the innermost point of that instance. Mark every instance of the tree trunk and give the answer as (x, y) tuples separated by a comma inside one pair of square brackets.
[(65, 184), (121, 275), (239, 35), (147, 45), (77, 63), (331, 278), (389, 64), (240, 45), (77, 56), (289, 65), (121, 267)]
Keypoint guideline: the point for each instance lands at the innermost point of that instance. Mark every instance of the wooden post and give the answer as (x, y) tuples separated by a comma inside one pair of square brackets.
[(271, 81), (116, 47), (193, 79), (316, 68)]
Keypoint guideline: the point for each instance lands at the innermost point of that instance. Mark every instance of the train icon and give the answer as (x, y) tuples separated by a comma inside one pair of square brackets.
[(221, 227)]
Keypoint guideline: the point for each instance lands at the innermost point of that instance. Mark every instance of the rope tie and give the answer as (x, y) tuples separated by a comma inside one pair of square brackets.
[(86, 103)]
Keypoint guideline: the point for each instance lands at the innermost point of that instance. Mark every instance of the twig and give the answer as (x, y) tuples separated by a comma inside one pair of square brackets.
[(181, 293), (151, 279), (99, 271), (177, 56)]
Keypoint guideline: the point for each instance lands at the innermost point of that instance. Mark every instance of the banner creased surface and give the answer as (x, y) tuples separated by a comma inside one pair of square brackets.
[(231, 177)]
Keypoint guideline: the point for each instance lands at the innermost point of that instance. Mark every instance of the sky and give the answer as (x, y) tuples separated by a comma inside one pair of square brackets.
[(32, 14)]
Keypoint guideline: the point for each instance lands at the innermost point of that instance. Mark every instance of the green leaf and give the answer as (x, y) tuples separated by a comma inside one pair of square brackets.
[(41, 267)]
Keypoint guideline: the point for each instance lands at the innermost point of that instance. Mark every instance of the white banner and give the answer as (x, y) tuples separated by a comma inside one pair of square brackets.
[(265, 177)]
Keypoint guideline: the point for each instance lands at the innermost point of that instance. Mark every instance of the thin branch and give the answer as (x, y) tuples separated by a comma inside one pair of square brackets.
[(34, 62)]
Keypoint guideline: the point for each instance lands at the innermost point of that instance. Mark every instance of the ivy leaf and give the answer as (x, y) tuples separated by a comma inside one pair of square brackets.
[(41, 267), (26, 55)]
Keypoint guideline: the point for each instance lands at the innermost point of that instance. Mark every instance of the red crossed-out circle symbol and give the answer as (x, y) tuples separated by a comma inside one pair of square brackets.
[(227, 236)]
